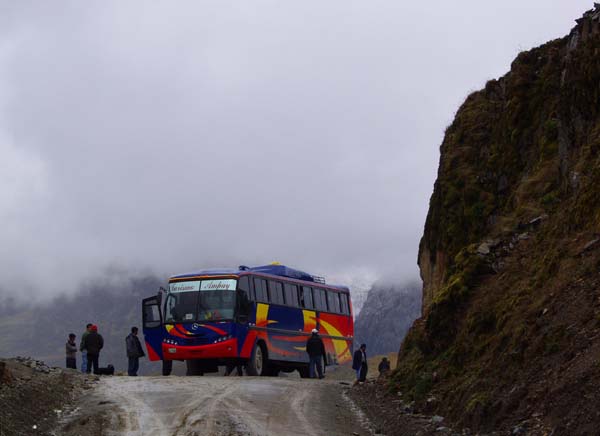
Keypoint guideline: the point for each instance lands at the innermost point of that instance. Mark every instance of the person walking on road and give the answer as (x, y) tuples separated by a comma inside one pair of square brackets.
[(71, 350), (84, 362), (93, 343), (316, 353), (359, 364), (134, 352)]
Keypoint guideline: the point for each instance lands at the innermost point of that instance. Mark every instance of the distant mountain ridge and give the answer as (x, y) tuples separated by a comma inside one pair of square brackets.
[(386, 316), (41, 331)]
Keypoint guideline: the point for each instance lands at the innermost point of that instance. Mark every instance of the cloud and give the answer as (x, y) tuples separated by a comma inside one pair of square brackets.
[(174, 136)]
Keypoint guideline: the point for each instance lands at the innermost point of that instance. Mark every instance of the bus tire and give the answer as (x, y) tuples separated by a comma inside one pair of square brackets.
[(193, 368), (258, 363), (304, 371)]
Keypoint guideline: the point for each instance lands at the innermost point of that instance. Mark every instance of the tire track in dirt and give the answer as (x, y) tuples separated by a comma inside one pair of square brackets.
[(204, 410), (301, 405), (218, 406), (134, 416)]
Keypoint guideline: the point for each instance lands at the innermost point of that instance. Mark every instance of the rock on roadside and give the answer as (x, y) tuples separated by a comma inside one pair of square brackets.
[(34, 397)]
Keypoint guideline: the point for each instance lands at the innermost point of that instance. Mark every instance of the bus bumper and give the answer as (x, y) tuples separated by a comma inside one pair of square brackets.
[(225, 349)]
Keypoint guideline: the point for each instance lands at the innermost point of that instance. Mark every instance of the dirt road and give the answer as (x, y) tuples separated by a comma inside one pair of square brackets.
[(186, 406)]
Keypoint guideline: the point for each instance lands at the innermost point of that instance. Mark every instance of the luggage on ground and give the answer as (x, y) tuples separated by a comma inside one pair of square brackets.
[(109, 370)]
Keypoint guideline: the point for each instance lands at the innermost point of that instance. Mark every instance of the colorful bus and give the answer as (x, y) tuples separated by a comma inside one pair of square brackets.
[(259, 317)]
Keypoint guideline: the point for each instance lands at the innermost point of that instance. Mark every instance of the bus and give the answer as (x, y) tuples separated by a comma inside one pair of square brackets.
[(259, 317)]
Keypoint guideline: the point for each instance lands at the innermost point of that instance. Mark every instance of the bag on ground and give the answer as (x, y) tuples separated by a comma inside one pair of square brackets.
[(108, 370)]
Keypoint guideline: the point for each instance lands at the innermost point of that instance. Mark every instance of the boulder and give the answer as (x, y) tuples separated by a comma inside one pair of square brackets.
[(483, 248)]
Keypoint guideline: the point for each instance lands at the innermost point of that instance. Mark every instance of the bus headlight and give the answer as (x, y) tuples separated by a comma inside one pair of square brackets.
[(170, 341), (222, 338)]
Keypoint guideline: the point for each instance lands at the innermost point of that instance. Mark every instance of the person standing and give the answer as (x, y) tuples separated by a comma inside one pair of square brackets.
[(316, 353), (84, 361), (167, 367), (71, 350), (384, 367), (359, 363), (231, 366), (93, 343), (134, 352)]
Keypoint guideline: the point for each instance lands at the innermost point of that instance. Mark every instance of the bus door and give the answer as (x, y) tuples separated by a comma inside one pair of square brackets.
[(153, 326), (244, 314)]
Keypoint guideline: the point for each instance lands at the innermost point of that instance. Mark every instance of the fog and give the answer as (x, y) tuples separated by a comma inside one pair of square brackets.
[(170, 136)]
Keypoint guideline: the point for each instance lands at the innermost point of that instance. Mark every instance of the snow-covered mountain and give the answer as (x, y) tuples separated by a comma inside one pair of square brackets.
[(359, 285), (386, 316)]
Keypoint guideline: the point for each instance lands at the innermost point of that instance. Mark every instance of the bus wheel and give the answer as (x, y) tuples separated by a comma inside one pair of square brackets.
[(304, 372), (193, 367), (258, 361)]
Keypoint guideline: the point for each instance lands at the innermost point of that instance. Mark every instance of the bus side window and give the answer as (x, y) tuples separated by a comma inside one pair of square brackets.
[(260, 289), (251, 294), (334, 301), (307, 297), (244, 286), (317, 299), (345, 306), (275, 292), (244, 304), (323, 293), (291, 294), (320, 299)]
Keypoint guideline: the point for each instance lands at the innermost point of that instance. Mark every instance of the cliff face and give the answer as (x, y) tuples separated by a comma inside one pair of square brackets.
[(386, 316), (510, 253)]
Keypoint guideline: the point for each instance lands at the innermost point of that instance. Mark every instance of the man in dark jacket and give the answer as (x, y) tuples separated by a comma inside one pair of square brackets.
[(359, 363), (134, 352), (93, 343), (316, 351), (84, 362)]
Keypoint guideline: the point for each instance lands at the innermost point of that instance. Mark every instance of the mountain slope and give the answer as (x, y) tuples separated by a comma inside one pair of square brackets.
[(386, 316), (511, 250), (41, 331)]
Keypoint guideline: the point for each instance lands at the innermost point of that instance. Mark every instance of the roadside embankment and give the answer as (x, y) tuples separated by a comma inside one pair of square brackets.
[(34, 397)]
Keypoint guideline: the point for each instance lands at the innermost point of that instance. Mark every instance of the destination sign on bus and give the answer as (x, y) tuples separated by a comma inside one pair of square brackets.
[(204, 285), (218, 285), (185, 286)]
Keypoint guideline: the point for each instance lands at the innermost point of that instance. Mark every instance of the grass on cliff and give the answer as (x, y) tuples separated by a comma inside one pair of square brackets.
[(491, 345)]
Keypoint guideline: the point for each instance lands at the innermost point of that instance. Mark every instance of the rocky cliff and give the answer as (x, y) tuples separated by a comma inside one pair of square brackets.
[(510, 255), (386, 316)]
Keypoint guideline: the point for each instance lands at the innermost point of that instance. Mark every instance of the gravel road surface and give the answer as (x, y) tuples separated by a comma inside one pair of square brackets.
[(186, 406)]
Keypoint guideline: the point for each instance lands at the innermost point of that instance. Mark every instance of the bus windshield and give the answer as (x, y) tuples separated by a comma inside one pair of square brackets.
[(200, 300)]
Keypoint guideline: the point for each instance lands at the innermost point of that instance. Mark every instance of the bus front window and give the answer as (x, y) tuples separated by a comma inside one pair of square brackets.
[(200, 300), (216, 305), (181, 306)]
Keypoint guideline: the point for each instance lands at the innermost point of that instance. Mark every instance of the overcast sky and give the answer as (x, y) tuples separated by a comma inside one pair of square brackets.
[(168, 136)]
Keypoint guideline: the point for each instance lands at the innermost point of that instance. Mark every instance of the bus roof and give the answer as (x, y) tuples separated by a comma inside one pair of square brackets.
[(273, 269)]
